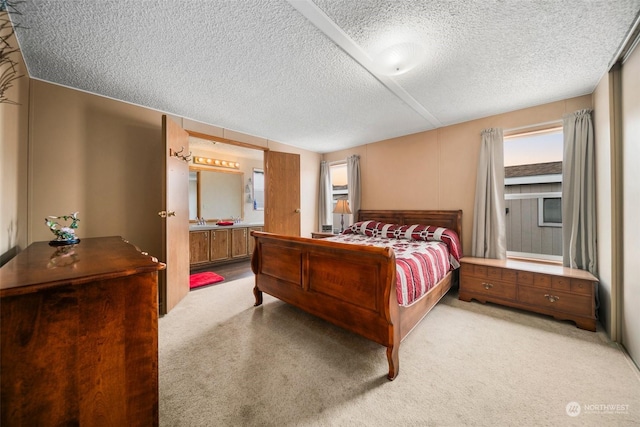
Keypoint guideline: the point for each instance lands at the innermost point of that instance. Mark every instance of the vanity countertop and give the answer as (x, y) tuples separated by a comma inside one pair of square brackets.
[(213, 226)]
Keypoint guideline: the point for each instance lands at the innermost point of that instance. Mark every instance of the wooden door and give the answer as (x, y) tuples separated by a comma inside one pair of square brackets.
[(282, 188), (175, 285)]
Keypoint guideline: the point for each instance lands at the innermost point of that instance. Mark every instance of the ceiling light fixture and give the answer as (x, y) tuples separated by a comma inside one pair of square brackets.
[(399, 58)]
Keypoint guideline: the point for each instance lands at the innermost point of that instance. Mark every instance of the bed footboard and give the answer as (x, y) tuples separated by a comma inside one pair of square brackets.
[(350, 286)]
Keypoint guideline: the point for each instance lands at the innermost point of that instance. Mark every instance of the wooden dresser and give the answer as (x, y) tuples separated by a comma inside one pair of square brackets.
[(564, 293), (79, 337)]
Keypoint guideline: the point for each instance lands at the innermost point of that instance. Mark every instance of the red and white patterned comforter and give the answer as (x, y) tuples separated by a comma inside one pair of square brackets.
[(419, 264)]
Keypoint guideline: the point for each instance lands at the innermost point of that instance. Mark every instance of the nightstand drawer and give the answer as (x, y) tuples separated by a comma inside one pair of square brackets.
[(488, 287), (561, 301)]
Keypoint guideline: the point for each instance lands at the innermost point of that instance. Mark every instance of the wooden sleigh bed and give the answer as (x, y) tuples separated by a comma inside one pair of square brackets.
[(351, 286)]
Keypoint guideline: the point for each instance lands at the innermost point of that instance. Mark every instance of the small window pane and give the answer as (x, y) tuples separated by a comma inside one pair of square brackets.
[(339, 190), (552, 210), (258, 190)]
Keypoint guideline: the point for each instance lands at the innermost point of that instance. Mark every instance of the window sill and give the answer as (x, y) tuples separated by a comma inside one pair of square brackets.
[(523, 257)]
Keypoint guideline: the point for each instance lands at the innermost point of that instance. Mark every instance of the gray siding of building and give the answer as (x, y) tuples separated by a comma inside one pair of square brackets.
[(523, 232)]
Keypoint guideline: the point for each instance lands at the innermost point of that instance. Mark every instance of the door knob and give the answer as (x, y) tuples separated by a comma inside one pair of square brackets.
[(164, 214), (298, 210)]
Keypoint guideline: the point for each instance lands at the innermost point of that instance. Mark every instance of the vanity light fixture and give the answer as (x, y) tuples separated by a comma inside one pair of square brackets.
[(216, 162)]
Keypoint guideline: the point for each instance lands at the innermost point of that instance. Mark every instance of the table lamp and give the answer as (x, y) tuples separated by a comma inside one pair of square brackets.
[(342, 207)]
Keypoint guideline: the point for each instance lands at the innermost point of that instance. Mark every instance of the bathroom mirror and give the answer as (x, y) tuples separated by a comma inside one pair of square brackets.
[(215, 195)]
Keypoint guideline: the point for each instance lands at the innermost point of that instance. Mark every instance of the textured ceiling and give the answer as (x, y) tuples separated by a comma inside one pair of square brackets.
[(299, 72)]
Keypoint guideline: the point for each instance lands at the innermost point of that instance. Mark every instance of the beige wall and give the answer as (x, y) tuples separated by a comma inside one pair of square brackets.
[(98, 156), (604, 200), (14, 131), (104, 158), (437, 169)]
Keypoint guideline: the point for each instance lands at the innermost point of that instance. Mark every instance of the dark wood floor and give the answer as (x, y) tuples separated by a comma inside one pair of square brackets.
[(232, 271)]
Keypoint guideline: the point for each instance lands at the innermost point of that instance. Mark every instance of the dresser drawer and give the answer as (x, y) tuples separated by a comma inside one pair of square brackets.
[(542, 280), (492, 288), (480, 270), (497, 273), (584, 287), (525, 277), (561, 283), (466, 270), (556, 300), (509, 275), (494, 273)]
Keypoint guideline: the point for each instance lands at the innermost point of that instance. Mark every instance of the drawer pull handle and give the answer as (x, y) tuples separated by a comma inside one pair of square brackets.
[(487, 286), (551, 298)]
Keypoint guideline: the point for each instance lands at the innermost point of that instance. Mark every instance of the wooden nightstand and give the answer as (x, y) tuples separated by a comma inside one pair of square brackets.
[(320, 235), (561, 292)]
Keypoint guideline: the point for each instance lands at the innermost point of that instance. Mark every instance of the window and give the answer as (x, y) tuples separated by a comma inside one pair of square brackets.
[(550, 211), (533, 194), (339, 190), (258, 190)]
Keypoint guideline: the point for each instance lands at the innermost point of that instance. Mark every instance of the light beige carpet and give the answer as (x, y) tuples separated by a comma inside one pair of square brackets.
[(223, 362)]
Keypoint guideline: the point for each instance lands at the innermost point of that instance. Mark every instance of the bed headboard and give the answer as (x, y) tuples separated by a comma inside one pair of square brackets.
[(448, 219)]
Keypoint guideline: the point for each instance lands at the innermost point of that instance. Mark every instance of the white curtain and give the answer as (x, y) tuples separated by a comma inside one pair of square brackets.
[(578, 193), (489, 234), (324, 196), (354, 183)]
